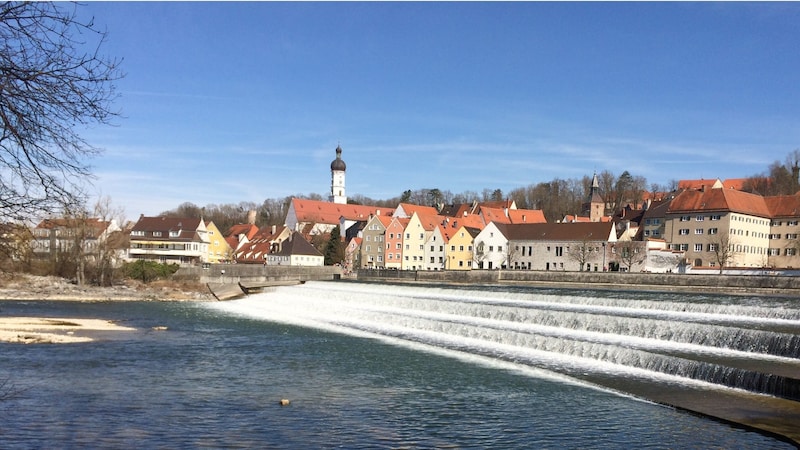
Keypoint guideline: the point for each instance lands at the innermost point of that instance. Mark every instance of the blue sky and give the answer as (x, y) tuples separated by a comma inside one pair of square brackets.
[(230, 102)]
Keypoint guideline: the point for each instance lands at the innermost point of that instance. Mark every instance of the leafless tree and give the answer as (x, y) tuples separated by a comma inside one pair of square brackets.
[(722, 247), (630, 253), (53, 83)]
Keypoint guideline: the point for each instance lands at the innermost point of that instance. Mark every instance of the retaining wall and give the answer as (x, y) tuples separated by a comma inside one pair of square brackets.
[(763, 284), (256, 273)]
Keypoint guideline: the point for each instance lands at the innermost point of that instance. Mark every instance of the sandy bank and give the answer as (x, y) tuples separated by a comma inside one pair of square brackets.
[(40, 330)]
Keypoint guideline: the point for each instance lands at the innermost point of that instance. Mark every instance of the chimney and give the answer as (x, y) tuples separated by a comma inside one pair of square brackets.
[(274, 229), (251, 217), (377, 212)]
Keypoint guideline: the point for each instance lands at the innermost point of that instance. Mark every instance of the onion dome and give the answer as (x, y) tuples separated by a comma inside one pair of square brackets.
[(337, 163)]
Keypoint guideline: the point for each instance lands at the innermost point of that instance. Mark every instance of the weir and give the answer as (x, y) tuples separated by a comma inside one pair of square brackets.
[(707, 354)]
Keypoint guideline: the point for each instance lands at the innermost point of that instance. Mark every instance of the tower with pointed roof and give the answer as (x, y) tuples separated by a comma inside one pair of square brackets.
[(338, 167), (595, 205)]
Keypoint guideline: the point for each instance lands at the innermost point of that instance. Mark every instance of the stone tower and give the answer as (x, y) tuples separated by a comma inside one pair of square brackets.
[(594, 207), (338, 167)]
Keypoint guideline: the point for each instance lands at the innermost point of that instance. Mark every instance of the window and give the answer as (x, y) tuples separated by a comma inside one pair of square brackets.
[(369, 238), (700, 218), (685, 218), (683, 247), (698, 247), (716, 217), (499, 248), (683, 231), (791, 251), (792, 223), (698, 231), (712, 231), (791, 236), (774, 236), (713, 247), (389, 256), (559, 251), (491, 248), (398, 246), (461, 248), (156, 234), (774, 252), (137, 233)]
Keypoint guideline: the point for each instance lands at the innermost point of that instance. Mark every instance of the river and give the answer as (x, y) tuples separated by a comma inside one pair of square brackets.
[(383, 366)]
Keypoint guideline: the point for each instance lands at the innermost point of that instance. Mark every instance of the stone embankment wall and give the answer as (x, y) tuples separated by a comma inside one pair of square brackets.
[(256, 273), (756, 284)]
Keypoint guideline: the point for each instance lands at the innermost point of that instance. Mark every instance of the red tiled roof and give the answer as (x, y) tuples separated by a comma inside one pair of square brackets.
[(719, 200), (315, 211), (410, 209), (784, 205)]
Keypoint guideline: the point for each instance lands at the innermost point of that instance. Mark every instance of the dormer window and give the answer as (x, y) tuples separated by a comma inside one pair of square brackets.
[(173, 234)]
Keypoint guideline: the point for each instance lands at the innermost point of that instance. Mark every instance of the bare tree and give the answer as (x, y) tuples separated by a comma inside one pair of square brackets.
[(581, 253), (53, 83), (722, 247), (630, 254)]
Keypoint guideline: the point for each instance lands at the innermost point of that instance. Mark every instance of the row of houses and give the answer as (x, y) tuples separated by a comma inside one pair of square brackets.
[(707, 224)]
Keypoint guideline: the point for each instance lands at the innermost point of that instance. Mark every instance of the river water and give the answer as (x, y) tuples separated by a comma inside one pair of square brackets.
[(361, 365)]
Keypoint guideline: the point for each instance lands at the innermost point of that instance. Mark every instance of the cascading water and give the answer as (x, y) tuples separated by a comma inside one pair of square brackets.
[(614, 342)]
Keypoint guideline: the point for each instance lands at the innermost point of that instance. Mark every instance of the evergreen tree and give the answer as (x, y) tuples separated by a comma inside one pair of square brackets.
[(334, 250)]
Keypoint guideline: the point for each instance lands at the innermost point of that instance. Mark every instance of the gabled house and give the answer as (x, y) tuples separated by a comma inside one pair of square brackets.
[(491, 247), (499, 215), (218, 249), (460, 249), (435, 249), (418, 231), (395, 249), (373, 242), (295, 251), (352, 255), (179, 240)]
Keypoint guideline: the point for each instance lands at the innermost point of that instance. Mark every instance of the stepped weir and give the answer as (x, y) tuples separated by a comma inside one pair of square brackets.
[(732, 358)]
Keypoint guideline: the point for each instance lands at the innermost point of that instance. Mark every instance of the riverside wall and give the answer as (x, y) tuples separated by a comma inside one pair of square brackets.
[(747, 284), (256, 273)]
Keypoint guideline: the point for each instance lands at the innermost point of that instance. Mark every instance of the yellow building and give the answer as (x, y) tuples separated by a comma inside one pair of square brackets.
[(218, 249), (460, 253)]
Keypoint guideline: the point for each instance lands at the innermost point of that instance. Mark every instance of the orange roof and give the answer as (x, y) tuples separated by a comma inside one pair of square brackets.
[(315, 211), (569, 218), (784, 205), (720, 200), (730, 183), (247, 229), (410, 209), (526, 216)]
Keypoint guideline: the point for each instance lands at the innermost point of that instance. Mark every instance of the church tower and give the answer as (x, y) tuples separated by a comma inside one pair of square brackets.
[(594, 207), (338, 168)]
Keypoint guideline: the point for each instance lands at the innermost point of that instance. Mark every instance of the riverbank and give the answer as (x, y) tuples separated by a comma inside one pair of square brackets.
[(18, 286)]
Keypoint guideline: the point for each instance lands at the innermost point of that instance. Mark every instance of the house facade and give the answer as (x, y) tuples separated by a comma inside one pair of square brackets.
[(576, 246), (372, 242), (394, 248), (178, 240), (460, 249), (295, 251), (491, 247)]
